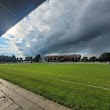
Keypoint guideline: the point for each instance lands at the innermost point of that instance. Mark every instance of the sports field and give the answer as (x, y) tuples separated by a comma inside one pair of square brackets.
[(77, 86)]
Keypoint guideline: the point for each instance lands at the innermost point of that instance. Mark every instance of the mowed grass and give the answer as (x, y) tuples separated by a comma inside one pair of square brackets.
[(66, 84)]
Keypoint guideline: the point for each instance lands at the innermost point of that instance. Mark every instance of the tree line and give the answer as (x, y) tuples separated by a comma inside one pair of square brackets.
[(7, 58), (104, 57), (37, 58), (13, 58)]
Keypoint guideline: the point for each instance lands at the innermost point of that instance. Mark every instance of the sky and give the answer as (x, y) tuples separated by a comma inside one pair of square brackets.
[(61, 27)]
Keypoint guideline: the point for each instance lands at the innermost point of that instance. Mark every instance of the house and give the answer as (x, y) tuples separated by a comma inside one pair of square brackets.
[(63, 58)]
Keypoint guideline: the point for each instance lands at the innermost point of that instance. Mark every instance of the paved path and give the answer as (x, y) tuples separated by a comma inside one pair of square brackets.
[(13, 97)]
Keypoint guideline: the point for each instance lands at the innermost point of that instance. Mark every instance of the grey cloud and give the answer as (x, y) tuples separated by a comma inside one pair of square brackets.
[(67, 26)]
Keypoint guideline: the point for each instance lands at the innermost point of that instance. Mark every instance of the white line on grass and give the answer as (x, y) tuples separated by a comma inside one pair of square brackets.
[(97, 87)]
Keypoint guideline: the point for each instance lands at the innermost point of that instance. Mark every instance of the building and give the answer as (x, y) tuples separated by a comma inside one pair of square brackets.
[(63, 58)]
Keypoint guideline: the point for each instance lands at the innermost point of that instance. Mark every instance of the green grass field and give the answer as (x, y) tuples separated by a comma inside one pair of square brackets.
[(77, 86)]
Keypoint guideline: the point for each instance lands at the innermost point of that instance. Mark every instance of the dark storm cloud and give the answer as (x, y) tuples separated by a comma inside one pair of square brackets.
[(67, 26), (93, 25)]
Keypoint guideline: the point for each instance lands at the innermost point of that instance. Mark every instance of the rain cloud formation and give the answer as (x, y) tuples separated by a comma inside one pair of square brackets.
[(62, 27)]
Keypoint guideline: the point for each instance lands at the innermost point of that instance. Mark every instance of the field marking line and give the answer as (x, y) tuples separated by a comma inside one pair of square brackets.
[(97, 87)]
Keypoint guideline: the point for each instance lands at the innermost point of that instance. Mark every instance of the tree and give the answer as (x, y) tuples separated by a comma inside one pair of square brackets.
[(105, 56), (93, 59), (37, 58), (13, 58), (28, 58), (85, 59), (20, 59), (8, 58)]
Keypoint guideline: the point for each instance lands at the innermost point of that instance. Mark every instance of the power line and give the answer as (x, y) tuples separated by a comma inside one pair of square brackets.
[(8, 10)]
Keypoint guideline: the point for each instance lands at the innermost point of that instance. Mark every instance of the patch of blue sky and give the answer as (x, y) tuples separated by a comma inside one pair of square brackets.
[(10, 36), (86, 51), (3, 43)]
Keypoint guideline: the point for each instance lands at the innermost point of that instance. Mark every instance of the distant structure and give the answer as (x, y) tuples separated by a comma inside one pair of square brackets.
[(63, 58)]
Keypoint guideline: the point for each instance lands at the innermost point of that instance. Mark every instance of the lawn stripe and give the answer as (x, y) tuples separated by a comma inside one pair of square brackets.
[(82, 84)]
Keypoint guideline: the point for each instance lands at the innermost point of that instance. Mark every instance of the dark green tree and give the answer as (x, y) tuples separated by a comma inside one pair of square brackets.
[(13, 58), (93, 59), (85, 59), (20, 59), (105, 56), (28, 58), (37, 58)]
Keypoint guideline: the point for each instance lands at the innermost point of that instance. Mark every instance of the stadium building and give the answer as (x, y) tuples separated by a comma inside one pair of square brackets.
[(63, 58)]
